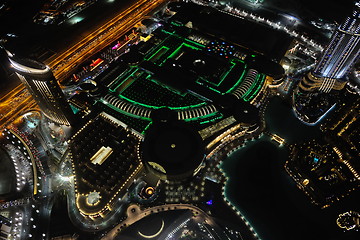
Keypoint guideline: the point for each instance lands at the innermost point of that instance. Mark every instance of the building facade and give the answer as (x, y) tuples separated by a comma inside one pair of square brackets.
[(319, 91), (41, 83), (338, 58)]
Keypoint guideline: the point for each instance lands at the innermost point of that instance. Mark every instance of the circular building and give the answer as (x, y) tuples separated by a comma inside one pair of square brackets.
[(172, 150)]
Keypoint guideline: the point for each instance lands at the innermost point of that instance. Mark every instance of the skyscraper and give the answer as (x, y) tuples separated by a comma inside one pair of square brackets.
[(41, 83), (338, 58), (319, 90)]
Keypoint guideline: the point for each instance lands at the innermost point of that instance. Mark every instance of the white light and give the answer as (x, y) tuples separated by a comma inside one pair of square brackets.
[(75, 19), (26, 69), (9, 53)]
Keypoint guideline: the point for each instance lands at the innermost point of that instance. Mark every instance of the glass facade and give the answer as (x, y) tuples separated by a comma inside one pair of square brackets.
[(44, 88), (343, 49)]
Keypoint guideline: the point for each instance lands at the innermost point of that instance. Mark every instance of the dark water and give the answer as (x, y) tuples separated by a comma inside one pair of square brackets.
[(281, 120), (262, 190), (258, 184)]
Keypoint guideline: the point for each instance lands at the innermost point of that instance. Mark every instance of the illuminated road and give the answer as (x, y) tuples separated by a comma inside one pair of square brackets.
[(19, 99), (98, 39), (13, 104)]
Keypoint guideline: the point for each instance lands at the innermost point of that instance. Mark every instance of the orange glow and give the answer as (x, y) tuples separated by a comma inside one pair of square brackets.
[(150, 190), (19, 100)]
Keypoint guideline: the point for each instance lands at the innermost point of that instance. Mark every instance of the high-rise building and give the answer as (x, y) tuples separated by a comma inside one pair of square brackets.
[(319, 90), (41, 83), (338, 58)]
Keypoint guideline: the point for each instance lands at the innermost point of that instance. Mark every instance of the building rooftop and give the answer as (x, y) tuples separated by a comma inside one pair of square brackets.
[(173, 149)]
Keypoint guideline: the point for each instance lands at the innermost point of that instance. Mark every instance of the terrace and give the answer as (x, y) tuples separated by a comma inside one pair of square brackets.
[(105, 178)]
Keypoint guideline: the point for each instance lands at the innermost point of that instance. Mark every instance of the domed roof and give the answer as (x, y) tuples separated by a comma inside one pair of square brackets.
[(172, 149)]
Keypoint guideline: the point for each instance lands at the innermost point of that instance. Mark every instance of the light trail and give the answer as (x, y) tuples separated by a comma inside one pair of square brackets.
[(100, 38), (84, 41), (16, 101), (28, 103), (12, 93)]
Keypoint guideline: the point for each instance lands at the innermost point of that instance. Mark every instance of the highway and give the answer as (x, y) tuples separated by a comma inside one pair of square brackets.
[(13, 104), (62, 65)]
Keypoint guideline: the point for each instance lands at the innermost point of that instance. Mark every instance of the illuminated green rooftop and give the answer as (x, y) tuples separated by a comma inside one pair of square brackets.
[(173, 70)]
